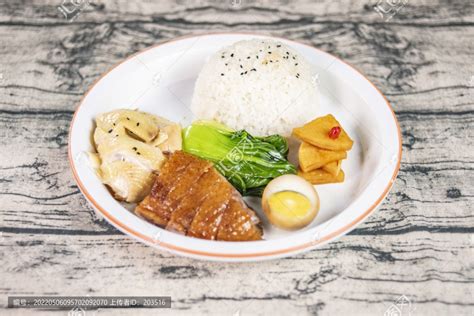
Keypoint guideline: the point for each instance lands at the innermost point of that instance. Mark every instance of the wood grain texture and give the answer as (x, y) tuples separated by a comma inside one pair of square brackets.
[(419, 244)]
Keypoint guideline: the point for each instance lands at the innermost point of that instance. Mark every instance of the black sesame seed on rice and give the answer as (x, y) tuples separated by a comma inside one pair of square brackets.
[(222, 74), (232, 55)]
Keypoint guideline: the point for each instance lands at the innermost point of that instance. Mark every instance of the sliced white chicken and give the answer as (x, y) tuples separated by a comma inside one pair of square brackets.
[(128, 181), (174, 139), (139, 124), (124, 148), (169, 138), (129, 144), (160, 139)]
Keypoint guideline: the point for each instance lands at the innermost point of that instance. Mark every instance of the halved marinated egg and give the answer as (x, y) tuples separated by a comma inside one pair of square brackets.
[(290, 202)]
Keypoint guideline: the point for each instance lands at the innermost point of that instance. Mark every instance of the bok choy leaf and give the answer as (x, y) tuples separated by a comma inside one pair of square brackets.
[(248, 162)]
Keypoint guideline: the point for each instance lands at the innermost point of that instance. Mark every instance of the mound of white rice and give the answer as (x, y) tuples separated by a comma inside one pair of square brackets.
[(261, 86)]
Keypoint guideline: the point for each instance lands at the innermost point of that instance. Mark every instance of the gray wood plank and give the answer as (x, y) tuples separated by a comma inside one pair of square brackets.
[(419, 243), (352, 275)]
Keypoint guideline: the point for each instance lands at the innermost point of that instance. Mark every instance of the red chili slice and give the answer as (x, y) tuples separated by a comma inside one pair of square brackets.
[(334, 132)]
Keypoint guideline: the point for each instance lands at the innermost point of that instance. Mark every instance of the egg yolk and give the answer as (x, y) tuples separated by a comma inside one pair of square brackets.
[(289, 203)]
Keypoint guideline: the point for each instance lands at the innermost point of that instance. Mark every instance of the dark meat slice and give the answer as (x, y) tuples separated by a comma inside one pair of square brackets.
[(182, 217), (175, 166), (176, 177), (182, 186), (189, 196), (239, 223), (172, 169), (208, 218)]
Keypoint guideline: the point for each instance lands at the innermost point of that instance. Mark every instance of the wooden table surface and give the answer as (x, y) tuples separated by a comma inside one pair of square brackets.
[(418, 244)]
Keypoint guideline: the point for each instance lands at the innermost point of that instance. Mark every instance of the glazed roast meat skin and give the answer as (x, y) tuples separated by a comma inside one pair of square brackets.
[(182, 217), (190, 197), (153, 207)]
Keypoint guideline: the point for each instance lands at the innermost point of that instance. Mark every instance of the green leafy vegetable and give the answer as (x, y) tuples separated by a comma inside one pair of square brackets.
[(279, 142), (248, 162)]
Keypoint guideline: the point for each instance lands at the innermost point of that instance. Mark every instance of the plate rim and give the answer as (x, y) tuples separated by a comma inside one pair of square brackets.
[(262, 255)]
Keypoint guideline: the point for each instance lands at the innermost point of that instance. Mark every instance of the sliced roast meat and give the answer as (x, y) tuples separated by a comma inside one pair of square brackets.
[(190, 197)]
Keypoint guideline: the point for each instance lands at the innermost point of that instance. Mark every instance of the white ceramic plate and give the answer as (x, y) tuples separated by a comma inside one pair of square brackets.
[(160, 80)]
